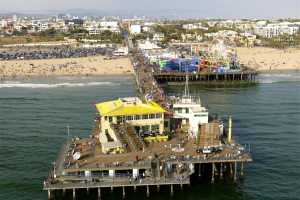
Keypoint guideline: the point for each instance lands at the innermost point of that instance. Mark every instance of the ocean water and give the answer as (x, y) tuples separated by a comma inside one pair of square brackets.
[(34, 115)]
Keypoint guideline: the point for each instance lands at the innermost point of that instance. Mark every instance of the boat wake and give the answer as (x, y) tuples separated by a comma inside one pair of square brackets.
[(14, 84)]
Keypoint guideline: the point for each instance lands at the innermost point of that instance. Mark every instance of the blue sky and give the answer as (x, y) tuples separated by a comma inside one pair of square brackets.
[(203, 8)]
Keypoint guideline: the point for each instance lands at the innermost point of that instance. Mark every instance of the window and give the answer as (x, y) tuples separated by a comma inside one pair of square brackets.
[(201, 115), (119, 119), (145, 128), (137, 117), (179, 110), (166, 124), (110, 119), (152, 116), (105, 118), (158, 116), (145, 117), (129, 118), (155, 128), (186, 110)]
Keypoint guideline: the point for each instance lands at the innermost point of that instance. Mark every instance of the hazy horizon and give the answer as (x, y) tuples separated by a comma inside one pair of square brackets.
[(192, 8)]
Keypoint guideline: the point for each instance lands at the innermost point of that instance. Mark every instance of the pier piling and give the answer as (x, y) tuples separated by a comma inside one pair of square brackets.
[(213, 173), (148, 191), (49, 194), (99, 193), (123, 193), (199, 169), (242, 169), (221, 170), (74, 193), (64, 192), (235, 175), (171, 190)]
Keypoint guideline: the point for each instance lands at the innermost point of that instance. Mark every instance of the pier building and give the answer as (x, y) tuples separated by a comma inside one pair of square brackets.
[(146, 118)]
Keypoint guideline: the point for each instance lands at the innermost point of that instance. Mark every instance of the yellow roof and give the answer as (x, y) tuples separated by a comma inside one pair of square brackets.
[(122, 107)]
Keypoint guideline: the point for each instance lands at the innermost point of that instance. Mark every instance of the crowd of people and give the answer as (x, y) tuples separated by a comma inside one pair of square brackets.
[(148, 84), (28, 53)]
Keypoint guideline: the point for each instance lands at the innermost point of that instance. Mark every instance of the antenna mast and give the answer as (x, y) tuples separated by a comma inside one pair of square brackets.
[(186, 88)]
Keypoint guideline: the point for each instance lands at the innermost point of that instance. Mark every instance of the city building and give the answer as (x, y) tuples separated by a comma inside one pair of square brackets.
[(135, 29)]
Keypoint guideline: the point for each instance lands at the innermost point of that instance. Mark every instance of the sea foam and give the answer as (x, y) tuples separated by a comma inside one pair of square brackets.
[(15, 84)]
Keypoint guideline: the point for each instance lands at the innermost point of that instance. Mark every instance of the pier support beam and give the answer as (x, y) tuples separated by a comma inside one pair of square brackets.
[(221, 171), (99, 193), (171, 190), (235, 168), (231, 171), (213, 173), (148, 191), (111, 188), (74, 193), (123, 193), (49, 194), (64, 192), (134, 188), (242, 168), (88, 191), (158, 188), (199, 169)]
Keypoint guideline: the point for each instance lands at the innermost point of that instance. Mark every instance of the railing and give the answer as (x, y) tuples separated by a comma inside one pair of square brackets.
[(117, 182)]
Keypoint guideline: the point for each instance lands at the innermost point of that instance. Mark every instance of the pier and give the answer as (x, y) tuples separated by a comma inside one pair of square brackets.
[(238, 78), (152, 161)]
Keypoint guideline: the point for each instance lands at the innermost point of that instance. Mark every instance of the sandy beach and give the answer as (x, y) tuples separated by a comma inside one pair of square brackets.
[(95, 65), (268, 59)]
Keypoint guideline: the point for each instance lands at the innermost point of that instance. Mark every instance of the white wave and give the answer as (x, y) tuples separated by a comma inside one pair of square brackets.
[(54, 85), (276, 77)]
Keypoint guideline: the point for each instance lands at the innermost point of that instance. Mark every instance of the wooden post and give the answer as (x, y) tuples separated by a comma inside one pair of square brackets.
[(88, 190), (111, 189), (49, 194), (148, 191), (99, 193), (221, 171), (235, 168), (64, 192), (123, 192), (213, 173), (172, 191), (134, 188), (74, 193), (242, 168), (231, 171), (199, 169), (158, 188)]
